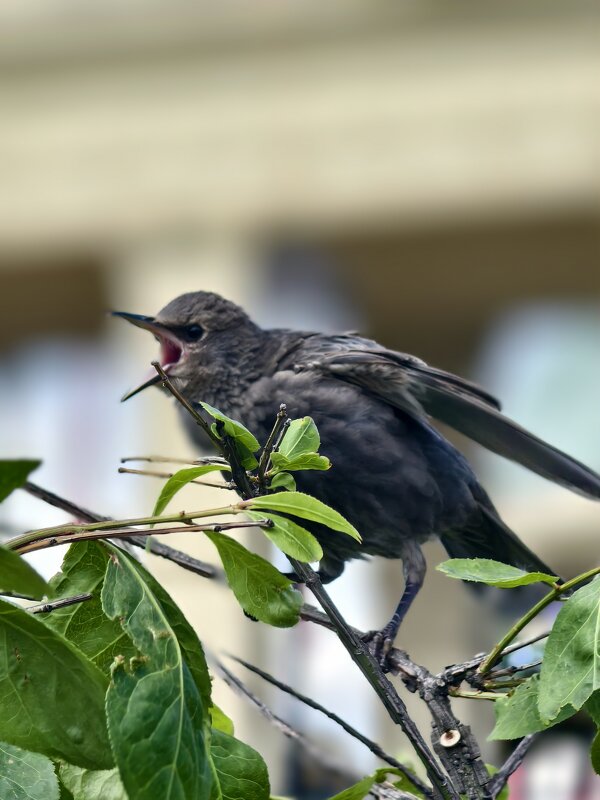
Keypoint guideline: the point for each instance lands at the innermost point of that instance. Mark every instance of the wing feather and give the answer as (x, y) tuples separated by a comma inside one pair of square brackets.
[(411, 385)]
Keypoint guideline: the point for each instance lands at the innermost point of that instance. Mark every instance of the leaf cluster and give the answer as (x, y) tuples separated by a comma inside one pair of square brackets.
[(111, 698), (569, 679)]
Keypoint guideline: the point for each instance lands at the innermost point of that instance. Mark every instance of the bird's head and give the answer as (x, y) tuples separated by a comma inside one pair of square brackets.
[(200, 334)]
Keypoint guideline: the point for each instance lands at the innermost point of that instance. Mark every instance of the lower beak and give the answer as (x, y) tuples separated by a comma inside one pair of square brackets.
[(150, 382)]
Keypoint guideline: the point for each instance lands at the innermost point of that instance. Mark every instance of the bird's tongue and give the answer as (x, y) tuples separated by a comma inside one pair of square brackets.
[(170, 352)]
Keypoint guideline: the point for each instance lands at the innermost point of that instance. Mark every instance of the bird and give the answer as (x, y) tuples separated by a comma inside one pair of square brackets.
[(393, 475)]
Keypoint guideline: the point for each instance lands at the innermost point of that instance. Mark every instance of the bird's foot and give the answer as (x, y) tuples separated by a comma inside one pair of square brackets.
[(380, 643)]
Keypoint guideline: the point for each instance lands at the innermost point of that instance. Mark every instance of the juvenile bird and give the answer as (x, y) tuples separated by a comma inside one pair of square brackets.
[(394, 476)]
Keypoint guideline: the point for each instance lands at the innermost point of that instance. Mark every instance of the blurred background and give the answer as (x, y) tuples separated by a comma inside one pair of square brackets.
[(427, 174)]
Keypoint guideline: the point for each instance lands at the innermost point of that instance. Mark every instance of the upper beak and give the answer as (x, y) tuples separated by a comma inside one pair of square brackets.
[(148, 324), (139, 320)]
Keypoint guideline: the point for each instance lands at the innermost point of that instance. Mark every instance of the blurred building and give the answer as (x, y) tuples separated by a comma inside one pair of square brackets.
[(429, 174)]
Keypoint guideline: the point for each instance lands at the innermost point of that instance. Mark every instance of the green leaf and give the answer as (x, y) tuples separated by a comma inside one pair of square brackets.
[(301, 437), (191, 647), (65, 794), (494, 573), (571, 668), (84, 784), (220, 721), (595, 754), (85, 624), (359, 790), (246, 442), (14, 474), (179, 480), (356, 792), (517, 714), (52, 696), (289, 537), (17, 576), (283, 480), (304, 461), (260, 589), (159, 728), (401, 782), (592, 707), (26, 776), (299, 448), (306, 507), (241, 772)]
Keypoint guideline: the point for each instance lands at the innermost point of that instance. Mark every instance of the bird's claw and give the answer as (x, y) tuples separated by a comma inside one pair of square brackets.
[(380, 643)]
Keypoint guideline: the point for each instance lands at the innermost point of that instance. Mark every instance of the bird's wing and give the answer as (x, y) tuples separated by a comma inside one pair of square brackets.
[(411, 385)]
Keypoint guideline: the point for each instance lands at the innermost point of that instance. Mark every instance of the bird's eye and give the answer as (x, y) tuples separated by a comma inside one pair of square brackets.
[(194, 332)]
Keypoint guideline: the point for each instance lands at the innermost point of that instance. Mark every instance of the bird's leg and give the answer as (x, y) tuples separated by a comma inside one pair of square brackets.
[(414, 567)]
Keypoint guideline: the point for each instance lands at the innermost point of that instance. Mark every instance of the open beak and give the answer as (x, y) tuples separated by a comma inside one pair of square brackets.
[(171, 347)]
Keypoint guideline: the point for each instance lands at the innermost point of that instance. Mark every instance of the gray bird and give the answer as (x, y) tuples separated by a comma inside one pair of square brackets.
[(394, 477)]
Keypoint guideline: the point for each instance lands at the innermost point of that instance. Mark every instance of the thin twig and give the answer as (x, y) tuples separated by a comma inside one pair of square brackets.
[(507, 671), (125, 533), (158, 460), (281, 422), (46, 608), (168, 460), (56, 501), (525, 643), (166, 382), (223, 443), (118, 524), (284, 727), (154, 474), (459, 672), (512, 763), (143, 541), (372, 746)]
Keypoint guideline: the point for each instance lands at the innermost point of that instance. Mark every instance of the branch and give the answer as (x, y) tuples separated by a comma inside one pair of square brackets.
[(390, 699), (512, 763), (159, 460), (372, 746), (398, 660), (456, 673), (279, 428), (223, 444), (140, 540), (413, 675)]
